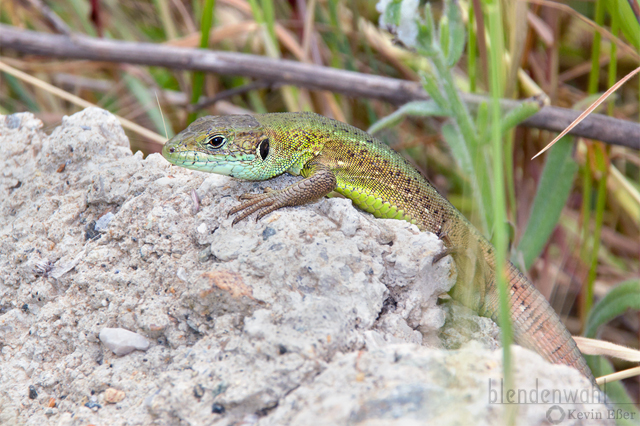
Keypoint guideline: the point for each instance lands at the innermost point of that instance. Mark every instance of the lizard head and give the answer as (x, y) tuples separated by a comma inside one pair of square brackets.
[(234, 145)]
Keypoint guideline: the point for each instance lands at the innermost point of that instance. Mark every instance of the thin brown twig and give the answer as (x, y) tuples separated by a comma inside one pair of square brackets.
[(207, 102), (50, 16), (349, 83)]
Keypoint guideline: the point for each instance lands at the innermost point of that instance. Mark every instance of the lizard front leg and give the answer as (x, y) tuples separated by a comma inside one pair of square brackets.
[(319, 182)]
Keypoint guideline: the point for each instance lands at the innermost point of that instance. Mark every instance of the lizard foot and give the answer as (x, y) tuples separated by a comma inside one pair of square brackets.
[(264, 204), (320, 182)]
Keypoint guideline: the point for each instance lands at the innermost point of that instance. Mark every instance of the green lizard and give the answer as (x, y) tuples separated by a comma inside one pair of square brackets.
[(333, 156)]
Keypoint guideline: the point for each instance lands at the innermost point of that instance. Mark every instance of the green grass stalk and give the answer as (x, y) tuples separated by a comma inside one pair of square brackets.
[(472, 63), (496, 35), (197, 85)]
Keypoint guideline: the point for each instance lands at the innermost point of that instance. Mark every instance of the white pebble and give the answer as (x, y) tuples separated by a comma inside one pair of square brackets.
[(122, 342), (202, 228), (182, 275), (101, 224)]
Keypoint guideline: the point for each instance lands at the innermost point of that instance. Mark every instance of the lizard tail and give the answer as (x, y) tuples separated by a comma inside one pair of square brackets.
[(536, 325)]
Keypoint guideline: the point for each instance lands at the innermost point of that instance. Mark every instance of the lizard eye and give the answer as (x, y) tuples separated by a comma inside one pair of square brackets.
[(215, 141), (263, 148)]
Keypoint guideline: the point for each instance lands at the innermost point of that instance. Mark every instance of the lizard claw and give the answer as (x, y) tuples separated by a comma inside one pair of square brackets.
[(262, 203), (444, 253), (250, 196)]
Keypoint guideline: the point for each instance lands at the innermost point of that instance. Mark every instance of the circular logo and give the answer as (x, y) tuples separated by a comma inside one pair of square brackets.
[(555, 414)]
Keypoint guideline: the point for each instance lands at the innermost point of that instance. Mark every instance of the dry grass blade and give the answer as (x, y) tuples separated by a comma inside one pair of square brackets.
[(619, 178), (600, 347), (624, 374), (589, 110), (541, 28), (606, 34), (166, 135), (78, 101)]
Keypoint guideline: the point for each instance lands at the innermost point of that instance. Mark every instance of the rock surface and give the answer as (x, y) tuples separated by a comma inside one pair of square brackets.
[(319, 314)]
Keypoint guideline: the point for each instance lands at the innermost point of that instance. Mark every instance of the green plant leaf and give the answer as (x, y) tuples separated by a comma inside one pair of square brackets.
[(430, 85), (517, 115), (401, 17), (624, 296), (392, 12), (443, 36), (456, 36), (416, 108), (454, 139), (426, 33), (553, 190)]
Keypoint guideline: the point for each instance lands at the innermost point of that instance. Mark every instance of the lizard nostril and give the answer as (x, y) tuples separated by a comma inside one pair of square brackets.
[(172, 150)]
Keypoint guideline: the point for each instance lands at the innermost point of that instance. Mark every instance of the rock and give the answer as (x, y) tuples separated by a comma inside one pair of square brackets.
[(318, 314), (122, 342), (425, 386), (113, 396)]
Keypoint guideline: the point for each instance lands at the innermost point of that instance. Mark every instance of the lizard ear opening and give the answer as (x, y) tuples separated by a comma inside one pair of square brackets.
[(263, 148)]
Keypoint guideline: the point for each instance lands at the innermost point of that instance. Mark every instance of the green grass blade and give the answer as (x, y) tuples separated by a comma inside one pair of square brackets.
[(472, 68), (165, 17), (617, 396), (482, 123), (198, 77), (553, 190), (269, 18), (22, 94), (82, 11), (601, 199), (496, 36), (620, 298), (595, 49), (627, 20)]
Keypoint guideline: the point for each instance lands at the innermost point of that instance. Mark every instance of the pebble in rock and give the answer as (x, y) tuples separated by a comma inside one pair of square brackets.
[(113, 396), (121, 341)]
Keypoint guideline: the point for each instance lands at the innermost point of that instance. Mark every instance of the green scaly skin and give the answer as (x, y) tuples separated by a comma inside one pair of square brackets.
[(333, 156)]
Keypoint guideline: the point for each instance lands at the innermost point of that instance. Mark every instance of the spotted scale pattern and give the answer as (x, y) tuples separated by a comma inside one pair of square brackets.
[(331, 155)]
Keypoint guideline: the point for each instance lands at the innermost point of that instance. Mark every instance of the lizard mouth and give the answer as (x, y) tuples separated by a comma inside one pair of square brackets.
[(177, 152), (223, 164)]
